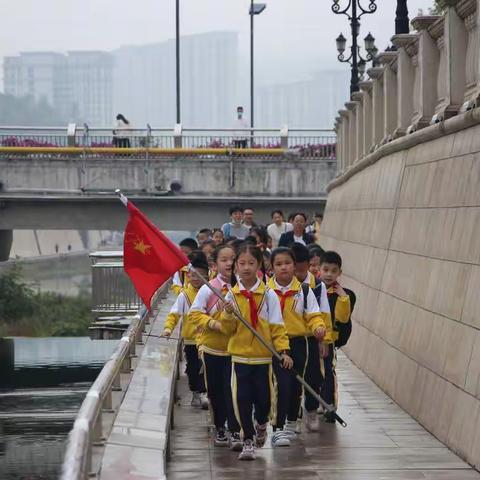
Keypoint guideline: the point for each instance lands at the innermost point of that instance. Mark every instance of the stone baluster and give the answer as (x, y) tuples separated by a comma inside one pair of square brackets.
[(452, 44), (469, 13), (405, 82), (376, 74), (358, 98), (389, 61), (346, 138), (352, 135), (367, 142), (425, 61)]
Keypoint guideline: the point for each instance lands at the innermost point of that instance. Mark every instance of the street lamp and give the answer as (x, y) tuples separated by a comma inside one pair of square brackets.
[(255, 9), (354, 11), (402, 23)]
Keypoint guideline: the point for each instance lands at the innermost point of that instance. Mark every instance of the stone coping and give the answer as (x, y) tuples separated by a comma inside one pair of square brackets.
[(427, 134)]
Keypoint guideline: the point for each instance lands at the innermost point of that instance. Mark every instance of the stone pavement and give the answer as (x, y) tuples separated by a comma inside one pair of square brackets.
[(381, 442)]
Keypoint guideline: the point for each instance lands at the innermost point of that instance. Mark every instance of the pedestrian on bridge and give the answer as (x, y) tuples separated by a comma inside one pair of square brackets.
[(121, 132)]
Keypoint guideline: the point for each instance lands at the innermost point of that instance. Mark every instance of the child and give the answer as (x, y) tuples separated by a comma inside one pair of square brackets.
[(180, 310), (204, 313), (342, 302), (312, 373), (218, 237), (251, 360), (314, 260), (302, 318), (180, 279)]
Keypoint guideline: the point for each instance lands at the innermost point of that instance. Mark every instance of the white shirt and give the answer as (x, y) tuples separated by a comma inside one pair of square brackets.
[(299, 240), (312, 304), (202, 299), (276, 231)]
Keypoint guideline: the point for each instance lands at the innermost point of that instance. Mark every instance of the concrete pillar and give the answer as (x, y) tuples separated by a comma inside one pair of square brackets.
[(352, 134), (338, 148), (6, 240), (358, 98), (389, 62), (425, 61), (345, 138), (376, 74), (366, 88), (405, 83), (452, 45)]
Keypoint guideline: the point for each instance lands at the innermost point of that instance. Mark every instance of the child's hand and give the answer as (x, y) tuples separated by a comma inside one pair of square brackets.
[(319, 333), (228, 307), (214, 325), (166, 333), (339, 290), (287, 361), (324, 350)]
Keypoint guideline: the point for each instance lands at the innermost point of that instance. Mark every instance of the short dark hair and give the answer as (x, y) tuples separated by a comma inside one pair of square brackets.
[(198, 260), (234, 209), (277, 211), (316, 251), (300, 252), (301, 214), (208, 242), (251, 240), (248, 208), (279, 250), (190, 243), (319, 215), (205, 230), (331, 257), (291, 216)]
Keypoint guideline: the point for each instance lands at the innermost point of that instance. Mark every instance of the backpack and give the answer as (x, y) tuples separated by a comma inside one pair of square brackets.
[(344, 329)]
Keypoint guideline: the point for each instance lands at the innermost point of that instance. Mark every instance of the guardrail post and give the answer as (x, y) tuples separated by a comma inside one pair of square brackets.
[(284, 137), (71, 132), (177, 135)]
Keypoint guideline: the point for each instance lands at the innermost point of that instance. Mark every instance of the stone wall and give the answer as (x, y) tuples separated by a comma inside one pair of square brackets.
[(406, 220)]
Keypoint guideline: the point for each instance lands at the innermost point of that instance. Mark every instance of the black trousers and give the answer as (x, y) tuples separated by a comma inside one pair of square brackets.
[(289, 389), (218, 375), (313, 375), (329, 386), (196, 382), (251, 389)]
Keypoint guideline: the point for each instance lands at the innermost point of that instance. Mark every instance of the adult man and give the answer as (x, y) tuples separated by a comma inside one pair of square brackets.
[(248, 218), (235, 228), (298, 234)]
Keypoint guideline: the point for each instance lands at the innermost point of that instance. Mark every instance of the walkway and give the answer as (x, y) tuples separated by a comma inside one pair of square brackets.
[(382, 442)]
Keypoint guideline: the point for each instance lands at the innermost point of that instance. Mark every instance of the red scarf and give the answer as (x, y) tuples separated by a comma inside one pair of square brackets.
[(253, 307), (284, 296)]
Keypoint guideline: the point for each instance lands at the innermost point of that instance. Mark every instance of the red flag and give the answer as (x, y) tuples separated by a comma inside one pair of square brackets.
[(149, 257)]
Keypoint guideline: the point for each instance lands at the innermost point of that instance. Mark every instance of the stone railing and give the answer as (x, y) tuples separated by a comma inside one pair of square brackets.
[(432, 75)]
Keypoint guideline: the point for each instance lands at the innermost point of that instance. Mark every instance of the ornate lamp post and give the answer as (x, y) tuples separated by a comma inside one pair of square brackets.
[(402, 24), (354, 11)]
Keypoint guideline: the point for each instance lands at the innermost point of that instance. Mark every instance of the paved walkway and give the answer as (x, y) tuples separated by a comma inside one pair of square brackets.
[(382, 442)]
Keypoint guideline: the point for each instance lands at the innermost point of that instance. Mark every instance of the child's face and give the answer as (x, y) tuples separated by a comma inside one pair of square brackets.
[(208, 250), (247, 267), (202, 237), (329, 273), (218, 238), (225, 260), (195, 279), (314, 266), (186, 250), (283, 268), (301, 271)]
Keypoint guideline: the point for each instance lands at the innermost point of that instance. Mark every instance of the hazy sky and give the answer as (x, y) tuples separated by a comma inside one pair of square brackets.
[(292, 36)]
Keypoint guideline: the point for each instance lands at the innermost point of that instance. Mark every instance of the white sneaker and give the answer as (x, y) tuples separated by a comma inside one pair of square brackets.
[(290, 428), (204, 401), (280, 439), (196, 401), (248, 451), (311, 421), (298, 426)]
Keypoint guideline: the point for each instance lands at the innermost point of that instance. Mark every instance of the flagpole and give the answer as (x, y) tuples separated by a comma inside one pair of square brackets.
[(327, 406)]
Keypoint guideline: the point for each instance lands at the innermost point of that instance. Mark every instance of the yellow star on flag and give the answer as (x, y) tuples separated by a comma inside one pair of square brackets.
[(141, 247)]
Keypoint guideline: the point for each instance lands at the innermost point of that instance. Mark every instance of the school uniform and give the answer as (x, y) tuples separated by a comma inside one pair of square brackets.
[(213, 350), (302, 318), (180, 310), (251, 360)]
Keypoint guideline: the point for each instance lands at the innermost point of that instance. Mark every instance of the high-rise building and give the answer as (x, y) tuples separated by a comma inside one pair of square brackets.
[(79, 86), (145, 88)]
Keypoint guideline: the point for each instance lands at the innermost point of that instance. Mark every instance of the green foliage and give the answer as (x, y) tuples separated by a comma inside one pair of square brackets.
[(25, 312)]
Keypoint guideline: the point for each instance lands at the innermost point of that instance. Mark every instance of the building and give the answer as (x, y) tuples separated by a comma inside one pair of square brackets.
[(145, 81), (79, 85)]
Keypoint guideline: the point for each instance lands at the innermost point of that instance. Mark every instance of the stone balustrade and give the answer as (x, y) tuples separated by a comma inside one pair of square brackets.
[(433, 74)]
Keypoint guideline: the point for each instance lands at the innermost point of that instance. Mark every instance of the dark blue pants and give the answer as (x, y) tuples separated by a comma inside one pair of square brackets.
[(193, 368), (218, 374), (251, 388), (329, 385), (313, 375)]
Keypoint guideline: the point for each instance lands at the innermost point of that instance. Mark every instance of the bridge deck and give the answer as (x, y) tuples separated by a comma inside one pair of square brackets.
[(381, 442)]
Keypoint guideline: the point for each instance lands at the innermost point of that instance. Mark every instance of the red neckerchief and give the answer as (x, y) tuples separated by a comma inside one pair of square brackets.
[(284, 296), (253, 307)]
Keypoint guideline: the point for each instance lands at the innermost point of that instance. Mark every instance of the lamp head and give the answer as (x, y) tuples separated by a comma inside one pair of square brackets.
[(257, 8), (369, 42), (341, 43)]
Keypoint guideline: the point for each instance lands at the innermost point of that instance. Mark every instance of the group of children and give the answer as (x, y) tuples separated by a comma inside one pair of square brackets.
[(295, 303)]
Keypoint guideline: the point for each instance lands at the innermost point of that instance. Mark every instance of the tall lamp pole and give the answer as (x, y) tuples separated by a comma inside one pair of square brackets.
[(402, 23), (354, 11), (255, 9), (177, 57)]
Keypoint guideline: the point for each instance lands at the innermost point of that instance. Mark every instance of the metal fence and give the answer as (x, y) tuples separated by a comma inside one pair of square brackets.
[(319, 143)]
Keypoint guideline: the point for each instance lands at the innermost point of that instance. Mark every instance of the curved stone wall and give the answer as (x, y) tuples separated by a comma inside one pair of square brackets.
[(406, 220)]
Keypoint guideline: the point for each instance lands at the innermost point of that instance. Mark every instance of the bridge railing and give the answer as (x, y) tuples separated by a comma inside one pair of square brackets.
[(318, 143)]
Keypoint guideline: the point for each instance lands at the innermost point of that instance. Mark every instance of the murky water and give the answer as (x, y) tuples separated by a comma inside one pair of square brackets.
[(42, 384)]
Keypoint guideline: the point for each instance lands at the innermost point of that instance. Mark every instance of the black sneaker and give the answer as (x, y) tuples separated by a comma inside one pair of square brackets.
[(221, 439), (329, 417), (236, 443)]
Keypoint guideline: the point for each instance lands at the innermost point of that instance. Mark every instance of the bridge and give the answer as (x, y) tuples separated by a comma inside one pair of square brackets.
[(66, 178)]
